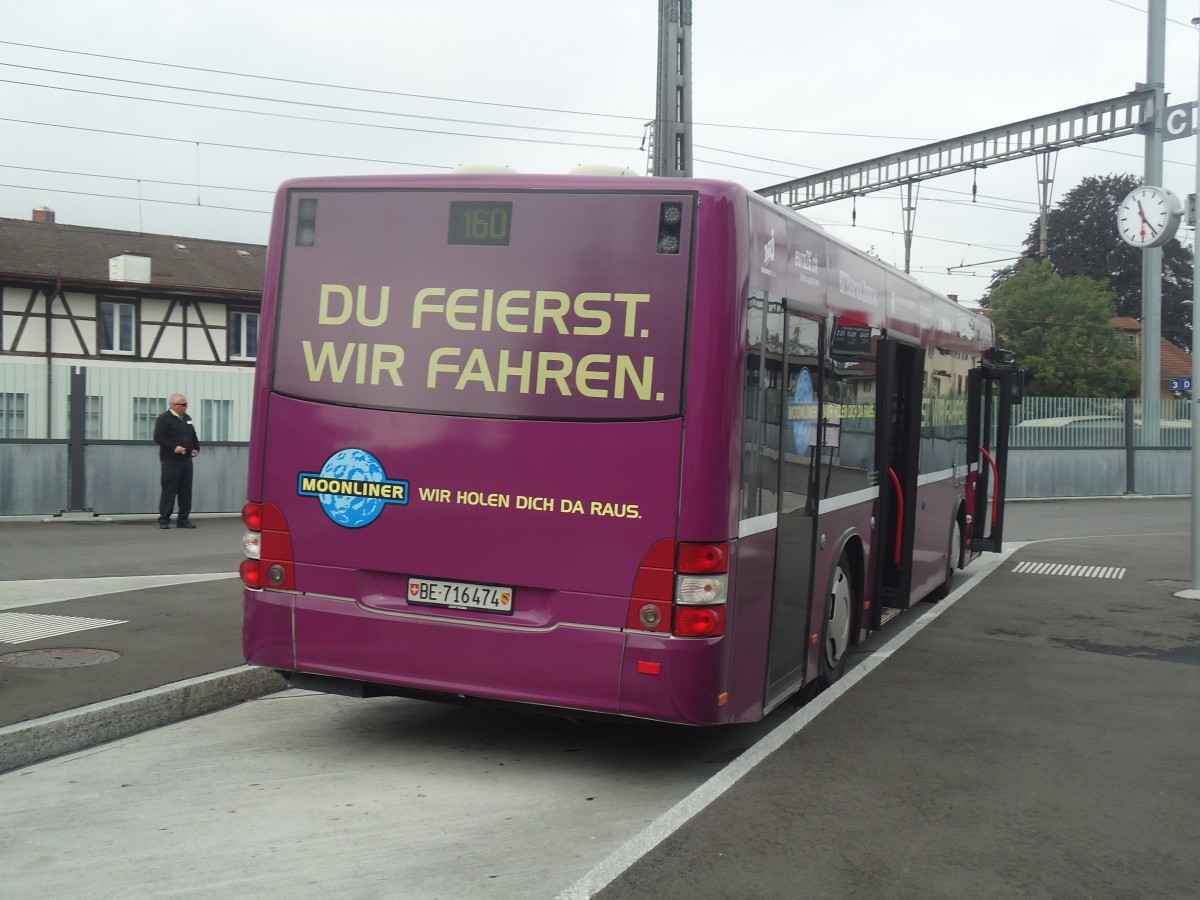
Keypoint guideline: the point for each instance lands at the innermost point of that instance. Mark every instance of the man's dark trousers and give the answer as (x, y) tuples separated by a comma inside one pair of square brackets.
[(176, 485)]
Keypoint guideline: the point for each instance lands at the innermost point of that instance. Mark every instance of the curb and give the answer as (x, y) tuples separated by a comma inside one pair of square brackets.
[(36, 740)]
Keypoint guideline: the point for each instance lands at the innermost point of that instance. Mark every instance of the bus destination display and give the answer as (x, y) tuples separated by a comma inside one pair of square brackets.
[(480, 223)]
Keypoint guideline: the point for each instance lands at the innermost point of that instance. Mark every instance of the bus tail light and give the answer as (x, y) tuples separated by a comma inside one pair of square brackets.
[(699, 621), (703, 559), (268, 547), (681, 589), (701, 588)]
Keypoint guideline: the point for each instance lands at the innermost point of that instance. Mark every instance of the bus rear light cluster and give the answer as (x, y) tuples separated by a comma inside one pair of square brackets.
[(267, 544), (681, 589)]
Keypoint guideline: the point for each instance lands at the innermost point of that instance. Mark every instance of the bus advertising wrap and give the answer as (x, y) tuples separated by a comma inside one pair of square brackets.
[(514, 315)]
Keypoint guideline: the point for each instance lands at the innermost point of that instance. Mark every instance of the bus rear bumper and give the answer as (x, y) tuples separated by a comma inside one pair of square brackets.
[(566, 667)]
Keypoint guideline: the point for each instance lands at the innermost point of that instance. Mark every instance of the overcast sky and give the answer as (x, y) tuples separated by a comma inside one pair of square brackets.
[(782, 89)]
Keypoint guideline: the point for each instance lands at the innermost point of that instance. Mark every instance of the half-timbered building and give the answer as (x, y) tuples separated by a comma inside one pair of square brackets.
[(97, 328)]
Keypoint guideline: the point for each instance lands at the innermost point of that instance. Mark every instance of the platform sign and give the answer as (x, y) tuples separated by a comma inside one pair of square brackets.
[(1179, 385), (1177, 121)]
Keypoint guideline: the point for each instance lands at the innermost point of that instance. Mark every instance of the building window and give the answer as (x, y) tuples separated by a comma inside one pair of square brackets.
[(93, 416), (116, 327), (13, 421), (146, 411), (214, 419), (243, 335)]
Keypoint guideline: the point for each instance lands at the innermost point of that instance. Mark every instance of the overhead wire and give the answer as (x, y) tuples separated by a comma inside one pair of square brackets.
[(275, 115), (307, 103), (381, 92)]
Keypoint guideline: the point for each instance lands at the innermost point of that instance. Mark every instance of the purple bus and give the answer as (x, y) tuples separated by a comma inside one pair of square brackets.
[(638, 447)]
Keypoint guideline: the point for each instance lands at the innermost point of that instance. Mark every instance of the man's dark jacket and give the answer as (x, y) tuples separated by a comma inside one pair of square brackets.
[(171, 431)]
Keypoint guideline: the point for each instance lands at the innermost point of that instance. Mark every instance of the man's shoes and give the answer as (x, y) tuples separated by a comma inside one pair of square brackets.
[(163, 525), (184, 525)]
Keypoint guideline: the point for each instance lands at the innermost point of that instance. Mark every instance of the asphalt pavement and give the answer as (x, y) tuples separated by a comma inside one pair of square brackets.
[(112, 626), (1040, 738), (1037, 736)]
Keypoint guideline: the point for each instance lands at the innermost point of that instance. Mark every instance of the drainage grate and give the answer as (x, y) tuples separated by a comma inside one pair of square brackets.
[(1071, 571), (19, 628)]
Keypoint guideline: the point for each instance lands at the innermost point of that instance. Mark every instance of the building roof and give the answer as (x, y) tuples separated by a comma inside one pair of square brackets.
[(1173, 361), (45, 249)]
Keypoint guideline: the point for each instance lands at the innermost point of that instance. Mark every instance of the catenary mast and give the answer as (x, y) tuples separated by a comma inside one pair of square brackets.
[(671, 138)]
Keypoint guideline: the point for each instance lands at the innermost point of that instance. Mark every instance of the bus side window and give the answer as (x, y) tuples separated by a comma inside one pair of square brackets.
[(762, 406), (850, 394)]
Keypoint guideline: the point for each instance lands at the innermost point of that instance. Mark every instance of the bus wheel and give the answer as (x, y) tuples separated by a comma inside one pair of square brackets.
[(839, 618), (954, 555), (953, 564)]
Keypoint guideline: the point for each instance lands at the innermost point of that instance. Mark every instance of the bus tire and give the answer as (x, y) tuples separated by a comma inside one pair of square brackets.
[(839, 623), (953, 563)]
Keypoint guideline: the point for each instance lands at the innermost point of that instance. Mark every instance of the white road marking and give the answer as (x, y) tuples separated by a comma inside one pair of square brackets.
[(673, 819), (20, 628), (16, 594), (1073, 571)]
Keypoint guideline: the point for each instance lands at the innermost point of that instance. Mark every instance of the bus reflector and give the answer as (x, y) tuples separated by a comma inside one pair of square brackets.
[(649, 668), (699, 621)]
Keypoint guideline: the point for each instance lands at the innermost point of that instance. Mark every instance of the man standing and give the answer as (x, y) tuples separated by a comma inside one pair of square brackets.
[(177, 446)]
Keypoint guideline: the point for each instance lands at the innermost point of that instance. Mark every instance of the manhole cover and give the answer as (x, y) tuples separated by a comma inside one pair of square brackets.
[(64, 658)]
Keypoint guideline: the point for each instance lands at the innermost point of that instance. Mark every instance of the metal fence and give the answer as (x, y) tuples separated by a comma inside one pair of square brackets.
[(1088, 423), (1061, 446), (122, 402)]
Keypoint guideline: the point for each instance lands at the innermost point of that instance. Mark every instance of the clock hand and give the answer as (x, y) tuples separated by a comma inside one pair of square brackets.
[(1145, 222)]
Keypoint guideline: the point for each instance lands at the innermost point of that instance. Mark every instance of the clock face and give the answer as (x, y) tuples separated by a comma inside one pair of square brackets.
[(1149, 216)]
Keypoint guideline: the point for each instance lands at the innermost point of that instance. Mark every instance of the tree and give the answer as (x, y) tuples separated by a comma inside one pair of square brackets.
[(1061, 330), (1082, 239)]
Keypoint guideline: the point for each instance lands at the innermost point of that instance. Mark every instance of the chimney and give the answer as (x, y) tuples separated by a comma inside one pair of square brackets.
[(129, 267), (43, 215), (952, 297)]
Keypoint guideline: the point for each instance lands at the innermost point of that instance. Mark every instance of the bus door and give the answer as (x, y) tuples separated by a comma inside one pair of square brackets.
[(991, 394), (802, 351), (898, 432)]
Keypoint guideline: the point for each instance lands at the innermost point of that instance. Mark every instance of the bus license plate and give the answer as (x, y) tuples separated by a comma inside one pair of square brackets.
[(463, 595)]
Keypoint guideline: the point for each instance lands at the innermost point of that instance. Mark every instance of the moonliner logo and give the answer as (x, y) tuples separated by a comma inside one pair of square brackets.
[(352, 488)]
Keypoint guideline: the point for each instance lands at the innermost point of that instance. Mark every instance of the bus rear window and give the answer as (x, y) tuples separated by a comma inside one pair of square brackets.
[(524, 305)]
